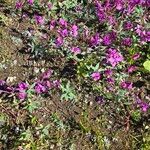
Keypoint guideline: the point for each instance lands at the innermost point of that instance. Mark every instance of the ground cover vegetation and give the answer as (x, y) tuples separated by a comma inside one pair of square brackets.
[(75, 75)]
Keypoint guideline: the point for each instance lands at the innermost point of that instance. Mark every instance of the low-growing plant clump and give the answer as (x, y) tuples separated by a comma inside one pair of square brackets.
[(75, 74)]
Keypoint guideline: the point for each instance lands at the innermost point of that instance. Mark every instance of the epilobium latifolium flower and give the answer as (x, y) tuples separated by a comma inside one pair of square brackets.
[(2, 82), (128, 25), (39, 88), (127, 41), (56, 83), (30, 2), (96, 76), (49, 5), (74, 31), (47, 74), (131, 69), (100, 11), (59, 41), (110, 80), (109, 38), (144, 107), (136, 56), (39, 19), (99, 99), (63, 22), (22, 86), (52, 24), (47, 84), (126, 85), (76, 50), (113, 57), (108, 72), (119, 4), (18, 5), (63, 32), (21, 95), (95, 40)]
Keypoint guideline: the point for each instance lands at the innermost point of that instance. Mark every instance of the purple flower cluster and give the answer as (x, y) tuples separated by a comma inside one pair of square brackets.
[(126, 85), (109, 38), (113, 57), (96, 76), (143, 105)]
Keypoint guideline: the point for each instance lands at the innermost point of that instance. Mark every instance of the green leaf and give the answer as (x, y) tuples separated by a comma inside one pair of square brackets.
[(146, 65)]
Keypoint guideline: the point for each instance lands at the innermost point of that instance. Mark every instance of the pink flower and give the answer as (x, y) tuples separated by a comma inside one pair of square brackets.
[(30, 2), (144, 107), (63, 22), (108, 72), (136, 56), (131, 69), (128, 25), (127, 41), (47, 74), (56, 83), (22, 95), (52, 24), (74, 31), (39, 19), (18, 5), (59, 41), (114, 57), (22, 86), (126, 85), (63, 32), (49, 5), (39, 88), (110, 80), (76, 50), (96, 76), (95, 40)]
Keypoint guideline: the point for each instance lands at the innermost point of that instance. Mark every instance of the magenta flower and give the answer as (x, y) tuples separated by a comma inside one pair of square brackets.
[(39, 88), (56, 83), (136, 56), (127, 41), (114, 57), (110, 80), (18, 5), (30, 2), (63, 22), (108, 72), (59, 41), (144, 107), (74, 31), (49, 5), (99, 99), (48, 84), (131, 69), (22, 86), (52, 24), (109, 38), (2, 82), (63, 32), (39, 19), (128, 25), (21, 95), (76, 50), (47, 74), (126, 85), (96, 76), (95, 40)]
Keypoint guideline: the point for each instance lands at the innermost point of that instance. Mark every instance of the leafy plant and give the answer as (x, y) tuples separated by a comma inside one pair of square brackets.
[(68, 93)]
